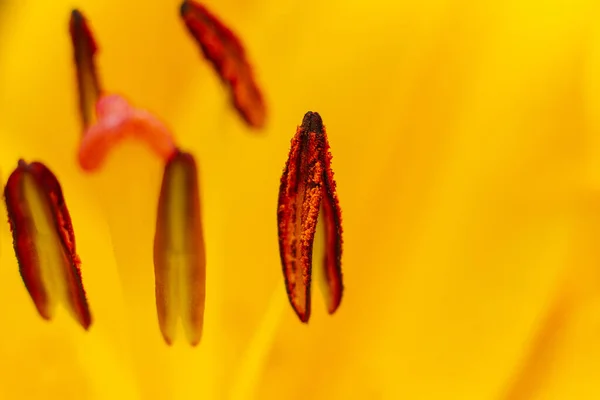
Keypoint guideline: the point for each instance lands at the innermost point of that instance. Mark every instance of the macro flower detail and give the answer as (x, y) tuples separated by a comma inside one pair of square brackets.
[(44, 242), (117, 120), (308, 193), (84, 49), (108, 118), (465, 142), (179, 255), (226, 53)]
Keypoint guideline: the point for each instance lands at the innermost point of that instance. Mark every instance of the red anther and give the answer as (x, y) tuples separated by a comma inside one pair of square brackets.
[(227, 55), (84, 50), (44, 241), (307, 190)]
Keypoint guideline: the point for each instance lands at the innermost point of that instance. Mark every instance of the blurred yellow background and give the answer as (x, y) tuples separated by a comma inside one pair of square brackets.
[(465, 141)]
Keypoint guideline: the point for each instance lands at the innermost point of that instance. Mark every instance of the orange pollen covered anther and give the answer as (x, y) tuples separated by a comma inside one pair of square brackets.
[(307, 194), (116, 121)]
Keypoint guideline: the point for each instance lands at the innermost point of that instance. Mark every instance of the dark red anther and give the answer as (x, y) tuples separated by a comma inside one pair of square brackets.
[(84, 50), (307, 194), (44, 241), (227, 55)]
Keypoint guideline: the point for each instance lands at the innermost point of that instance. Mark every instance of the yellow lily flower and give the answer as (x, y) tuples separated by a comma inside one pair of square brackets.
[(464, 141)]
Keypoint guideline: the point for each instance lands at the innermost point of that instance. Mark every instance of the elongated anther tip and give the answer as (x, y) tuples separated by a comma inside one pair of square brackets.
[(76, 15), (184, 8), (312, 122), (84, 51)]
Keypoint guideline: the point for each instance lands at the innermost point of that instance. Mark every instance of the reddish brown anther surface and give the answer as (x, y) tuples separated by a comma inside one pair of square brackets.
[(307, 194), (179, 255), (84, 49), (44, 241), (226, 53)]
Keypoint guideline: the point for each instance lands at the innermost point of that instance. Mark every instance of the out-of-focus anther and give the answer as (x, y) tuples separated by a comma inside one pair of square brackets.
[(84, 50), (44, 241), (226, 53), (179, 254)]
